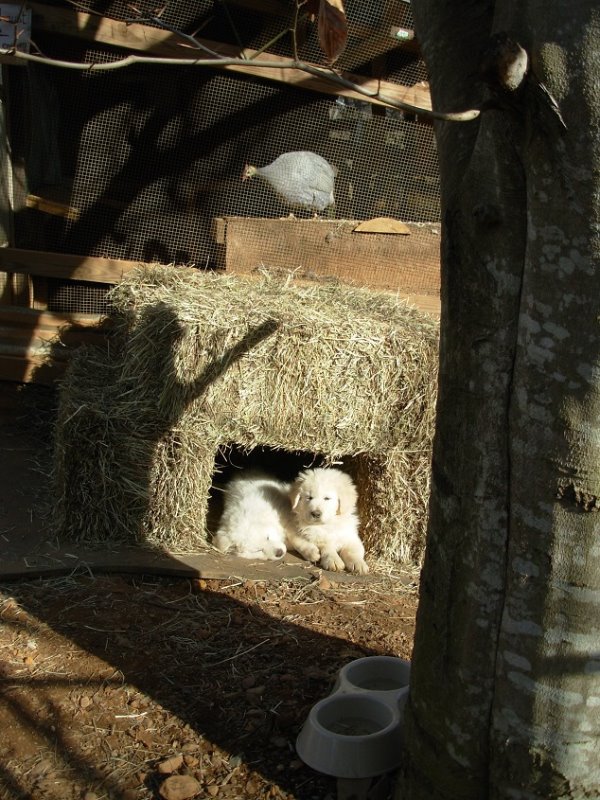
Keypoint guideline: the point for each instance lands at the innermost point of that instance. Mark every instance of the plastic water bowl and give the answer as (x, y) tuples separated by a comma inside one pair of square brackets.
[(375, 674), (356, 732)]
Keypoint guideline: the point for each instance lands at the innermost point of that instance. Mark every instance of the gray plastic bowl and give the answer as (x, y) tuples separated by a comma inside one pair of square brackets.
[(356, 732), (351, 736), (375, 674)]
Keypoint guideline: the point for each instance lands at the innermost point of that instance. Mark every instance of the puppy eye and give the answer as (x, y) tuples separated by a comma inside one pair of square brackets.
[(327, 498), (309, 497)]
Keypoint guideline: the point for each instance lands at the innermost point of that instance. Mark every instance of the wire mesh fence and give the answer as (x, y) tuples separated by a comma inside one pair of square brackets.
[(149, 159)]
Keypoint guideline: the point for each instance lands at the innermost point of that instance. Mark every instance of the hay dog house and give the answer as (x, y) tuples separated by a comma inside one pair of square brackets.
[(108, 170), (200, 363)]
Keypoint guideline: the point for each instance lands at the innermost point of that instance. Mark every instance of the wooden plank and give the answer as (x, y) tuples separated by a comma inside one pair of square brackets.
[(157, 42), (424, 302), (33, 319), (40, 293), (219, 230), (21, 289), (49, 206), (5, 288), (6, 166), (323, 249), (25, 337), (137, 560), (30, 370), (42, 336), (60, 265), (31, 350)]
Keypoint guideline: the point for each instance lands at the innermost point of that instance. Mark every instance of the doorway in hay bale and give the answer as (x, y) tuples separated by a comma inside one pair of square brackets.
[(283, 464), (268, 503), (391, 486), (392, 513)]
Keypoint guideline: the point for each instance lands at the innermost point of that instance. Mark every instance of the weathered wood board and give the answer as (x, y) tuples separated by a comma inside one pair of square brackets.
[(326, 249), (312, 249), (35, 345), (151, 41), (61, 265), (137, 560)]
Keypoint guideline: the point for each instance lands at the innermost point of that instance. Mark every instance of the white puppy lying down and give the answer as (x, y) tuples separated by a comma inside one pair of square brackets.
[(324, 502), (257, 516)]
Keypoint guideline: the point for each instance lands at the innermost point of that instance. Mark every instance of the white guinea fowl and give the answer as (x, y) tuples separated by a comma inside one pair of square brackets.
[(302, 179)]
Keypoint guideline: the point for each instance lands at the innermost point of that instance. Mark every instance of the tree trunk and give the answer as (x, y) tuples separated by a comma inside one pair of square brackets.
[(505, 693)]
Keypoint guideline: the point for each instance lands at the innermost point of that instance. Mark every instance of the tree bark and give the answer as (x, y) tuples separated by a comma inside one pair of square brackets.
[(505, 691)]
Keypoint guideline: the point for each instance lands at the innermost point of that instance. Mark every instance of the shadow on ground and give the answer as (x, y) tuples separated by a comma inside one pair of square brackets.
[(105, 678)]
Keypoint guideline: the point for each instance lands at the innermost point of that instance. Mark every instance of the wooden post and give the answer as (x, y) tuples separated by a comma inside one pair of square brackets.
[(6, 193)]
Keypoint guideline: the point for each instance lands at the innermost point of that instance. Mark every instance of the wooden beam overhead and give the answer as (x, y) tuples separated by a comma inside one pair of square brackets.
[(160, 43)]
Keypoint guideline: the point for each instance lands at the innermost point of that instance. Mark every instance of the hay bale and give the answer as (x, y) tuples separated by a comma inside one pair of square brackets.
[(202, 361)]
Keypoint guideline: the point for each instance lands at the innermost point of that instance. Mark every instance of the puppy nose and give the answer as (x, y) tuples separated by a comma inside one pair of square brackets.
[(316, 513), (279, 552)]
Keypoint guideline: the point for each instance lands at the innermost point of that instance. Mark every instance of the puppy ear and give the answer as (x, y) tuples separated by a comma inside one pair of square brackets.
[(296, 489), (347, 495), (294, 493)]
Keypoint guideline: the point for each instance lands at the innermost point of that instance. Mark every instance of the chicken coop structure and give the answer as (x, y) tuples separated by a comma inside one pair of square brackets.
[(104, 169)]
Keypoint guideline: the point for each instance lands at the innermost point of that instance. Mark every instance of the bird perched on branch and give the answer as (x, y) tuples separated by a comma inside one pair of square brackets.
[(302, 179)]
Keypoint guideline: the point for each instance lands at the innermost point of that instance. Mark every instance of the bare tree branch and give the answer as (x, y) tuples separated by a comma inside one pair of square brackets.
[(325, 74), (191, 41)]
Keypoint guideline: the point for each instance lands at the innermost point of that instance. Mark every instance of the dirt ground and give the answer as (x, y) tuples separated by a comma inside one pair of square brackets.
[(112, 686), (140, 687)]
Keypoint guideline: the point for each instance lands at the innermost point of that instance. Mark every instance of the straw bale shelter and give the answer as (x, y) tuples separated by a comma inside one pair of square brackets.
[(200, 363)]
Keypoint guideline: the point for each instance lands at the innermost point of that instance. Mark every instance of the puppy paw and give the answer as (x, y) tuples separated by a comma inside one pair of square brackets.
[(310, 552), (354, 559), (358, 565), (332, 561)]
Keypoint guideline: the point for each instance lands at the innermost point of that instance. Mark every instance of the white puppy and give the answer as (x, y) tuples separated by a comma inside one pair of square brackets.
[(257, 516), (324, 502)]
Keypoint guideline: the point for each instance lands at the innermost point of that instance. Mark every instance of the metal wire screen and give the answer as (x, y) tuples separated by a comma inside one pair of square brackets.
[(375, 29), (149, 159), (76, 297)]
